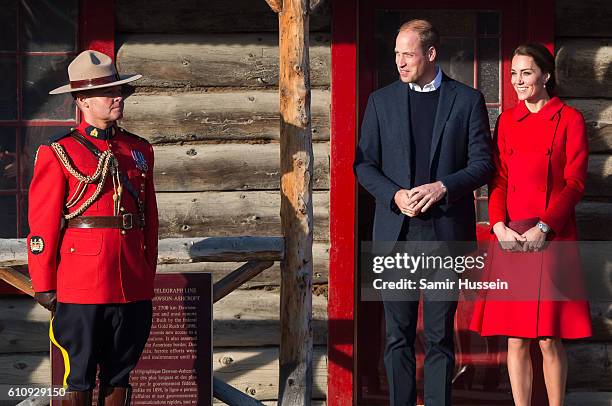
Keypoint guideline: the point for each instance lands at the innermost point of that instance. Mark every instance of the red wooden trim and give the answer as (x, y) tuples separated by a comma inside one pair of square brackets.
[(97, 26), (350, 21), (343, 197)]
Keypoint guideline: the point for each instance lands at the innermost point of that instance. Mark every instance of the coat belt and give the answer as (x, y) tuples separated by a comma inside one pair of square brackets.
[(125, 222)]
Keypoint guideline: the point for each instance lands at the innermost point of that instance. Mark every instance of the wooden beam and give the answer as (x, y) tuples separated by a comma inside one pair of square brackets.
[(583, 67), (584, 18), (205, 116), (226, 214), (190, 61), (219, 249), (235, 279), (232, 396), (598, 117), (296, 348), (198, 168), (17, 279), (270, 278)]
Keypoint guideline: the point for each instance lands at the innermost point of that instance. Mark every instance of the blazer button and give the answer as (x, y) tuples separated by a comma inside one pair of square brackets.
[(511, 151), (548, 151)]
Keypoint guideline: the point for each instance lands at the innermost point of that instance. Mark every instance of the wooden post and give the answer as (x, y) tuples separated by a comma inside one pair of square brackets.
[(296, 161)]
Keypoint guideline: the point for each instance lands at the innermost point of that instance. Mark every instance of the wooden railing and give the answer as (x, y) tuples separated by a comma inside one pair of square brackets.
[(258, 253)]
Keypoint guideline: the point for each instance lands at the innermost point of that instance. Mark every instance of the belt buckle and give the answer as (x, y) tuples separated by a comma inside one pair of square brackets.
[(127, 221)]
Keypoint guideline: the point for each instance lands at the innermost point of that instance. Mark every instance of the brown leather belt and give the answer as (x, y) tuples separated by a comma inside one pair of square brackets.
[(125, 222)]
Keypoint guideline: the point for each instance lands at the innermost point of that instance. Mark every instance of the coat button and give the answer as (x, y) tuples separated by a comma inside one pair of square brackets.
[(122, 232), (547, 152), (542, 188), (513, 188), (511, 151)]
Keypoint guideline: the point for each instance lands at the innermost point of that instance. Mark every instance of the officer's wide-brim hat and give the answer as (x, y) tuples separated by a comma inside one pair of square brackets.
[(93, 70)]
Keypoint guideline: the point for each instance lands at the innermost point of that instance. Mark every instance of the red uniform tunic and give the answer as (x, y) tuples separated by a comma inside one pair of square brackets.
[(97, 265), (541, 162)]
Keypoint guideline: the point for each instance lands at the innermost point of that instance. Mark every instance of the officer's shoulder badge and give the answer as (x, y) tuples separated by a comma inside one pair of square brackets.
[(140, 160), (37, 244), (57, 137)]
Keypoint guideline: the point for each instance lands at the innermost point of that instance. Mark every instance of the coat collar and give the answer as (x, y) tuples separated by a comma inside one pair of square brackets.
[(97, 133), (550, 109)]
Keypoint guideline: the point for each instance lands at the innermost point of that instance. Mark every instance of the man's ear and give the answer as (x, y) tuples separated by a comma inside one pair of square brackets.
[(431, 54), (81, 100)]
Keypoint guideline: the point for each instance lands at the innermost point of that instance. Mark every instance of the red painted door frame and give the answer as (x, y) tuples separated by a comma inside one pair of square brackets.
[(352, 81), (96, 31)]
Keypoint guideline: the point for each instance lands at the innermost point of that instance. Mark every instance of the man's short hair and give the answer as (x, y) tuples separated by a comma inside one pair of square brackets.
[(428, 34)]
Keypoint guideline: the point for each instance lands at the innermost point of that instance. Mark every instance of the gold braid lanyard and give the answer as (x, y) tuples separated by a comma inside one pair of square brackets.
[(106, 162)]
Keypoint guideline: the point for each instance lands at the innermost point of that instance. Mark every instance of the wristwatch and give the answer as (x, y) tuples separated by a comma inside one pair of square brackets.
[(543, 227)]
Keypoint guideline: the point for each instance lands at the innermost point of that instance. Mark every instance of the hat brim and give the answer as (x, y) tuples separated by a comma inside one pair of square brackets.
[(123, 80)]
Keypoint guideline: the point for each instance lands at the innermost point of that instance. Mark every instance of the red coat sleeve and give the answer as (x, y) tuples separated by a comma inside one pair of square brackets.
[(498, 188), (152, 222), (45, 211), (562, 205)]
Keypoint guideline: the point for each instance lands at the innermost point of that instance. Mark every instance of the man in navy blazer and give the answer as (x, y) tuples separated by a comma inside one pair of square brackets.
[(425, 146)]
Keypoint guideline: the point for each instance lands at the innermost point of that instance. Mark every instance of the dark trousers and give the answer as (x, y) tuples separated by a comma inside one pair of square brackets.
[(110, 335), (401, 321)]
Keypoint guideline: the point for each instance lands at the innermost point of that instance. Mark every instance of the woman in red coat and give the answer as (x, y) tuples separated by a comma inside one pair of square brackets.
[(541, 162)]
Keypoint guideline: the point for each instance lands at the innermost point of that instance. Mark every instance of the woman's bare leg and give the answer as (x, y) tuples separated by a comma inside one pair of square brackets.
[(555, 369), (520, 371)]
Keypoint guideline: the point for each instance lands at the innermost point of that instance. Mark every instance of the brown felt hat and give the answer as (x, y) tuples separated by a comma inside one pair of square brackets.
[(93, 70)]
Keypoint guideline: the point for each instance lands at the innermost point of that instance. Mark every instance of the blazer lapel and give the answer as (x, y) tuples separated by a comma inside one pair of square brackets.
[(445, 105), (403, 115)]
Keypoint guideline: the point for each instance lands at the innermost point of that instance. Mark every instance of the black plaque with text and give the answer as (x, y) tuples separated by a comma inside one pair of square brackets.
[(176, 365)]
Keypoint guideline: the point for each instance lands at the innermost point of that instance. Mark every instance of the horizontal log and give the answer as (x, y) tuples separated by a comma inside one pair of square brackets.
[(211, 60), (583, 67), (222, 214), (251, 318), (186, 250), (13, 252), (594, 220), (590, 366), (586, 18), (236, 115), (588, 399), (139, 16), (195, 168), (20, 369), (255, 370), (268, 278), (598, 117), (599, 175)]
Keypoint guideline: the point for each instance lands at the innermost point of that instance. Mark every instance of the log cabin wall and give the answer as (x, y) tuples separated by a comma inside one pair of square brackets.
[(208, 102), (583, 31)]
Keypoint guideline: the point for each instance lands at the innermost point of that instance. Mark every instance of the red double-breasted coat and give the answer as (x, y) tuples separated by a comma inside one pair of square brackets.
[(95, 265), (541, 166)]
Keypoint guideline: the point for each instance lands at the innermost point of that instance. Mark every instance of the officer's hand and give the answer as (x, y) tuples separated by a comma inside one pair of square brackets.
[(48, 300)]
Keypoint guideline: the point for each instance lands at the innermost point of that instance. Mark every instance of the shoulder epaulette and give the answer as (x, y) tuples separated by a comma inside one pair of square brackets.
[(57, 137)]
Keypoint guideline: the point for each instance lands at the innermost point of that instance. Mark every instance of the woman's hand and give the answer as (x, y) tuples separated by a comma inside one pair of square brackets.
[(508, 239), (534, 239)]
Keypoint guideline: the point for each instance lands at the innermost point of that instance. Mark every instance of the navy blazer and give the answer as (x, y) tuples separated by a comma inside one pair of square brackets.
[(461, 157)]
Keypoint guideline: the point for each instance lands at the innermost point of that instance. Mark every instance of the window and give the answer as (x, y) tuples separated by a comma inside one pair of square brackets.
[(39, 40)]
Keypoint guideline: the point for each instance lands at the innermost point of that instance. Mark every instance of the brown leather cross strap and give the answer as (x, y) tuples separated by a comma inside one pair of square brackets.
[(124, 222)]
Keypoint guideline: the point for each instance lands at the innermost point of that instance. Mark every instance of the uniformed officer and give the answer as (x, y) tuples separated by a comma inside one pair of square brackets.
[(93, 237)]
